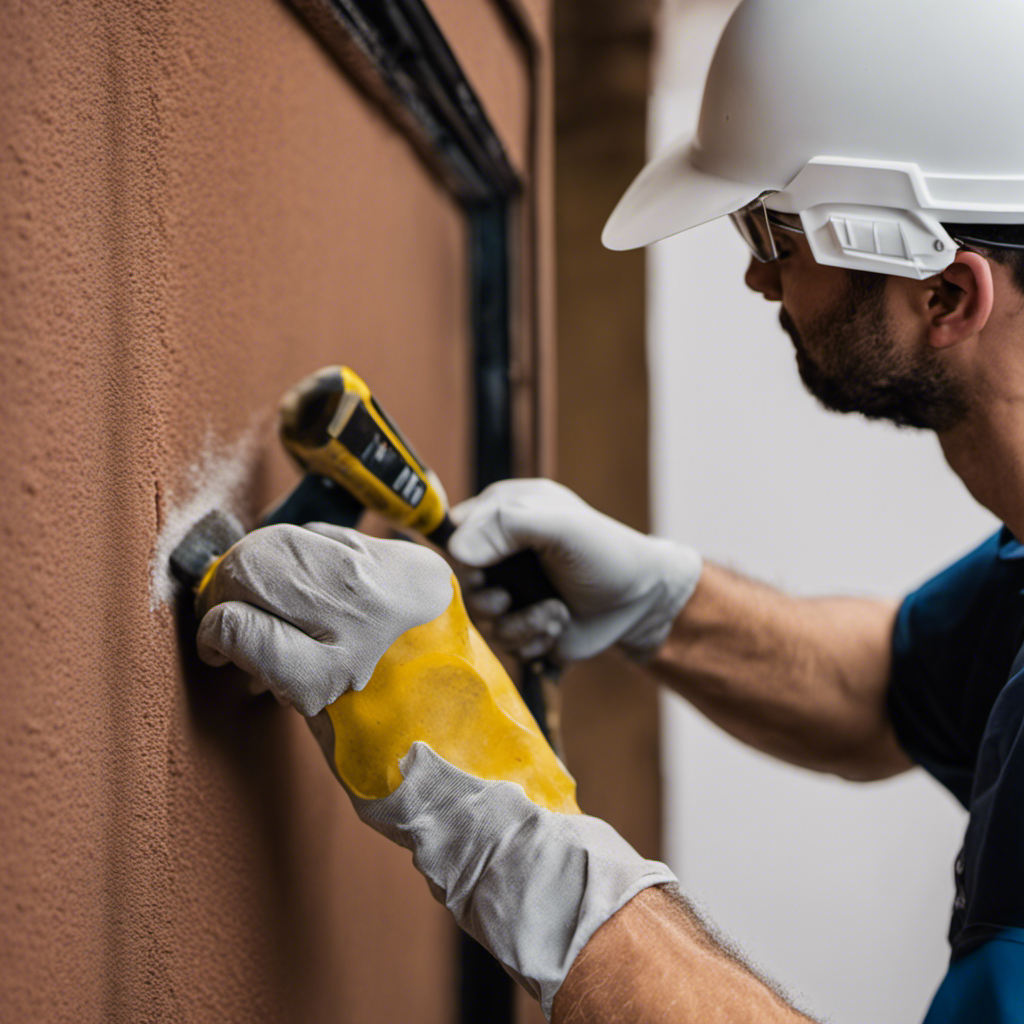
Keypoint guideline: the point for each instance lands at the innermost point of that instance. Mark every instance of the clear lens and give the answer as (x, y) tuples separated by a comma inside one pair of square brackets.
[(752, 224)]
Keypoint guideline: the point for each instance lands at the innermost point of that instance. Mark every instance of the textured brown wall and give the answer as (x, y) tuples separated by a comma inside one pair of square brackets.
[(197, 210)]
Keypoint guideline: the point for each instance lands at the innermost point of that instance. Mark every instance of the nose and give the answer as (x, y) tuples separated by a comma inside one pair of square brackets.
[(764, 278)]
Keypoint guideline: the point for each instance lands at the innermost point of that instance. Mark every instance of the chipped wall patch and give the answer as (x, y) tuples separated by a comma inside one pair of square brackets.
[(218, 479)]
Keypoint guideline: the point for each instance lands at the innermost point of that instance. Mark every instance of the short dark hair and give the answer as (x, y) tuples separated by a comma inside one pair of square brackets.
[(1003, 243)]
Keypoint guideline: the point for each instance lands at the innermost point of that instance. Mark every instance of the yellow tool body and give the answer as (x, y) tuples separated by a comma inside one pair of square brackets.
[(441, 684), (332, 426), (354, 457), (438, 683)]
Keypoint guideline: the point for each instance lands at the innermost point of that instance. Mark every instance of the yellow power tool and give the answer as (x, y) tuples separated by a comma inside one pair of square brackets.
[(437, 682), (337, 433), (355, 457)]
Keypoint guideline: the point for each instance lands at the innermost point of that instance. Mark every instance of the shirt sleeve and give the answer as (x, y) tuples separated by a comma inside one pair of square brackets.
[(986, 985), (953, 644)]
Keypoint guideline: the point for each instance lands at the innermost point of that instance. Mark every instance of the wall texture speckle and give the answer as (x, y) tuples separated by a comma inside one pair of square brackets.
[(197, 210)]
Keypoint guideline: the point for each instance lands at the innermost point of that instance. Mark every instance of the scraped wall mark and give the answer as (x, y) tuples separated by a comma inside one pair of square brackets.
[(220, 478)]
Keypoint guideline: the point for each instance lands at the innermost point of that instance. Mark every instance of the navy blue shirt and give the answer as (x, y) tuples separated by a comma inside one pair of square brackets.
[(957, 703)]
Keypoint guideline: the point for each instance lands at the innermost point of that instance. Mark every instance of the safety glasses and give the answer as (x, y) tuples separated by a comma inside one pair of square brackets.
[(755, 223)]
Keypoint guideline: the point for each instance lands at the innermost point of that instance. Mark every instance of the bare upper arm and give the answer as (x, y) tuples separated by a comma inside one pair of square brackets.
[(867, 653), (802, 679)]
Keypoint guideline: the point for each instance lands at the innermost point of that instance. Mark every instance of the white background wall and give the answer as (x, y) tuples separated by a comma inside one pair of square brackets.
[(840, 892)]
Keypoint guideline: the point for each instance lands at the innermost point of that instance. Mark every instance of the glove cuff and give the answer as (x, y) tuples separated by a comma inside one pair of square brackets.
[(531, 885), (677, 570)]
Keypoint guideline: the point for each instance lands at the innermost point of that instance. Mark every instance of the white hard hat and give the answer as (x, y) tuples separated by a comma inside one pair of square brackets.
[(875, 121)]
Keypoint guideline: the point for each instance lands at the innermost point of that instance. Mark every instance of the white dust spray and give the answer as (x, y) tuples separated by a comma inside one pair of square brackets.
[(218, 479)]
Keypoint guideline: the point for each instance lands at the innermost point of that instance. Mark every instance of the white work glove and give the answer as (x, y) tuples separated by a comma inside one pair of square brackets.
[(308, 611), (311, 612), (618, 586), (529, 884)]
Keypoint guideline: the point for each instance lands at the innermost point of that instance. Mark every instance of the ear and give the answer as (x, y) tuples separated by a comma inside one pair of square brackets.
[(960, 303)]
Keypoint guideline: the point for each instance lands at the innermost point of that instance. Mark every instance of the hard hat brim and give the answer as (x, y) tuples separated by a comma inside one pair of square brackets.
[(671, 195)]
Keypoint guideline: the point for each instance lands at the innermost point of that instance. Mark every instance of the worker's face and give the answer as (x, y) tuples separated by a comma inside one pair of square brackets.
[(851, 355)]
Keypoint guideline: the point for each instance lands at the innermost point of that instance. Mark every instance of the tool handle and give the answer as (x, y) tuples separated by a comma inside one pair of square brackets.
[(526, 581), (523, 576), (316, 499)]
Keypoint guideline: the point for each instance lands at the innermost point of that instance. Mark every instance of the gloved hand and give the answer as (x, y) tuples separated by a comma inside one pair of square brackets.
[(309, 612), (619, 586), (428, 736)]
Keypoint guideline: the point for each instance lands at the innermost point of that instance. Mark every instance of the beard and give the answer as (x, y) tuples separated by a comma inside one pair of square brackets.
[(857, 365)]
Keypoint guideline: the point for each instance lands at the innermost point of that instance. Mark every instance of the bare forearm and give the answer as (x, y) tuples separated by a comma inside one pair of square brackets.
[(801, 679), (655, 962)]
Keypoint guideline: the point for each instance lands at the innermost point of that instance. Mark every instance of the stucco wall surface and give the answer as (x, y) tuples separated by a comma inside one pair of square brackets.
[(197, 209)]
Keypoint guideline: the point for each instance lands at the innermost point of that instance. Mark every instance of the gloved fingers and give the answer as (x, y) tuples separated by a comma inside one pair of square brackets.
[(479, 542), (532, 631), (398, 565), (488, 602), (493, 530), (298, 669), (471, 579), (336, 584), (218, 638), (351, 538), (290, 572), (502, 492), (508, 516), (257, 686), (595, 634), (536, 648)]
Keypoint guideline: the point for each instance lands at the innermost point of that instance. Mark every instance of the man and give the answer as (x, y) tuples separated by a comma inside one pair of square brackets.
[(869, 152)]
